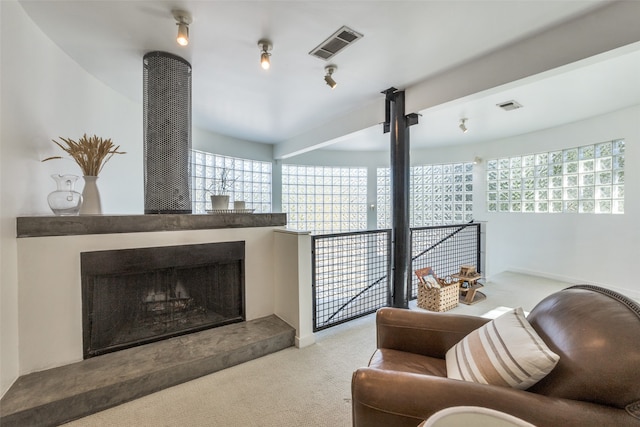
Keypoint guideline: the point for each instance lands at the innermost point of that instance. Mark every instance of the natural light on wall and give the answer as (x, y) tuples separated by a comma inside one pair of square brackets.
[(325, 199), (586, 179), (249, 181), (440, 195)]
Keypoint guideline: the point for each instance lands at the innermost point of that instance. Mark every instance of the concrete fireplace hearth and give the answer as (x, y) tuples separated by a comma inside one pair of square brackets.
[(277, 307), (66, 393)]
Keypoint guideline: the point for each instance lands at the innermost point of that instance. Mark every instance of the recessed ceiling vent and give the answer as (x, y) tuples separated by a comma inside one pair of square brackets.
[(335, 43), (509, 105)]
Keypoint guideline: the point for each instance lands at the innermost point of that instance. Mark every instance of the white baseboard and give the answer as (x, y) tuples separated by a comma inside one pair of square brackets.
[(305, 341)]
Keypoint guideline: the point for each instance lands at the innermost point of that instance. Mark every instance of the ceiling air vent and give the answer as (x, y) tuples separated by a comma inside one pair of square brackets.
[(509, 105), (335, 43)]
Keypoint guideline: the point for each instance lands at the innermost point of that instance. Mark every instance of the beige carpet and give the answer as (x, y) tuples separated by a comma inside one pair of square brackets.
[(294, 387)]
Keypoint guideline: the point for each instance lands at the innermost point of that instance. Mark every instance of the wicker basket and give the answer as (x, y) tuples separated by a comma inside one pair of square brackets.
[(439, 299)]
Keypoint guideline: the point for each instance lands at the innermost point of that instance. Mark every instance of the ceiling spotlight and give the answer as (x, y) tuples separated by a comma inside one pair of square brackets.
[(183, 20), (330, 69), (462, 126), (266, 46)]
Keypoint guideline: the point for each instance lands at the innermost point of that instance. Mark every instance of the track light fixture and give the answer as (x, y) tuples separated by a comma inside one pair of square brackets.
[(265, 60), (462, 126), (330, 69), (183, 19)]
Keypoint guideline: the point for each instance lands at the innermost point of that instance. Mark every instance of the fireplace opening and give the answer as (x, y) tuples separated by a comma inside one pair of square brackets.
[(136, 296)]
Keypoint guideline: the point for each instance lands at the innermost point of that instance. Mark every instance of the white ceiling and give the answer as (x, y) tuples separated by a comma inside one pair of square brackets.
[(599, 85), (404, 43)]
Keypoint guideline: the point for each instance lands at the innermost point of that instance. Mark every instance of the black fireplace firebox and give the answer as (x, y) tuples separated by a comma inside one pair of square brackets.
[(137, 296)]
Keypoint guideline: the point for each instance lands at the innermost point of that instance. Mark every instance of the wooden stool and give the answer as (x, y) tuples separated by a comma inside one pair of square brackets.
[(469, 286)]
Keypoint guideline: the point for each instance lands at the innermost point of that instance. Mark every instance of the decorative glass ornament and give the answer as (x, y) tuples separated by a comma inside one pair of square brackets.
[(65, 200)]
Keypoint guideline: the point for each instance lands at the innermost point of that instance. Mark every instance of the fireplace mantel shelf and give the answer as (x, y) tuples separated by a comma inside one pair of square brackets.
[(43, 226)]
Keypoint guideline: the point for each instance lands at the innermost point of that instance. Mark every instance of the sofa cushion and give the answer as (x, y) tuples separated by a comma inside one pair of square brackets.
[(506, 352)]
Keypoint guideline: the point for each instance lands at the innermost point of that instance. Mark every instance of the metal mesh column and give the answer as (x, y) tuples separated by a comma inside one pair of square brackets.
[(167, 134)]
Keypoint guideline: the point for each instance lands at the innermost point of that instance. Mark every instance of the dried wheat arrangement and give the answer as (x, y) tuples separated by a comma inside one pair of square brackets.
[(90, 153)]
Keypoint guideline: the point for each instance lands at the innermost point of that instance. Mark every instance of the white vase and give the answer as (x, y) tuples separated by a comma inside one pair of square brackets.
[(219, 202), (91, 204)]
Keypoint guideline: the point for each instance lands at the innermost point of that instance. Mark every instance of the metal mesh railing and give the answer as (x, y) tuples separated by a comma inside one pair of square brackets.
[(445, 249), (351, 271), (350, 275)]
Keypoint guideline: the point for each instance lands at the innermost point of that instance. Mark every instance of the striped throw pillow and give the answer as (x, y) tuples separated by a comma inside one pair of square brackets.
[(506, 352)]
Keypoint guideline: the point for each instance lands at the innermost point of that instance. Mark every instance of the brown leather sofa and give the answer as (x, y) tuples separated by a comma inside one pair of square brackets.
[(596, 333)]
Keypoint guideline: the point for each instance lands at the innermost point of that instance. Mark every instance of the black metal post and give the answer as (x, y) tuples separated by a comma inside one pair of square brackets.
[(478, 249), (401, 251)]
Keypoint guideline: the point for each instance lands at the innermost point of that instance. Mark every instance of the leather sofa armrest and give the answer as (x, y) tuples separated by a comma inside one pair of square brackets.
[(422, 332), (384, 398)]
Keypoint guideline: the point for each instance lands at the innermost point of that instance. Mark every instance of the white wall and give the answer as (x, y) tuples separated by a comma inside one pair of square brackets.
[(228, 146), (578, 248), (50, 304), (46, 95), (293, 284), (585, 248), (337, 158), (8, 270)]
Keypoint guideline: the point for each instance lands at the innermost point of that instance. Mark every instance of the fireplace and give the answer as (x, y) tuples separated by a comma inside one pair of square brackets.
[(136, 296)]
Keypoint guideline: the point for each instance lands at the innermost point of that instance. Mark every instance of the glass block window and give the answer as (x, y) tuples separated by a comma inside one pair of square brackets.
[(383, 198), (587, 179), (325, 199), (440, 195), (249, 181)]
